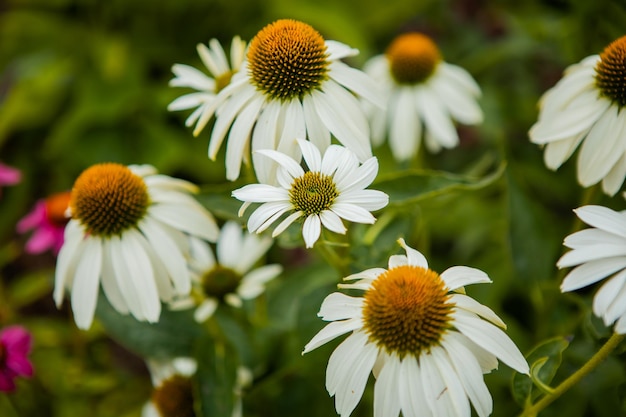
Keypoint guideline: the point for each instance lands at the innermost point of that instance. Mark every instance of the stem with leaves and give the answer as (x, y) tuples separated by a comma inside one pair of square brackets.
[(576, 377)]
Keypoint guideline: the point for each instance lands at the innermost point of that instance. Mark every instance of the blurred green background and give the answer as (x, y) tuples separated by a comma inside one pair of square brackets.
[(86, 81)]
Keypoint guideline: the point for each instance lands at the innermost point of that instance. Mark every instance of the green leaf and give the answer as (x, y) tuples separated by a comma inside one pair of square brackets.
[(411, 186), (544, 361), (216, 376), (174, 334)]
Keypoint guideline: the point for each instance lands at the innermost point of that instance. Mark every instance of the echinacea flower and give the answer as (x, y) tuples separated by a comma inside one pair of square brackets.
[(292, 84), (586, 108), (333, 188), (47, 220), (207, 86), (9, 176), (230, 278), (173, 394), (129, 232), (427, 343), (599, 252), (15, 346), (424, 96)]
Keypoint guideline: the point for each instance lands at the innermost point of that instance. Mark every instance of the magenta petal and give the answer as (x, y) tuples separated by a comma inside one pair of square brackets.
[(9, 175), (19, 365), (33, 219), (42, 240), (6, 382), (16, 339)]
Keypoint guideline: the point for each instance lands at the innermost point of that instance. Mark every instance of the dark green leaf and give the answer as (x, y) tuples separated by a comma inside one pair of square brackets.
[(217, 376)]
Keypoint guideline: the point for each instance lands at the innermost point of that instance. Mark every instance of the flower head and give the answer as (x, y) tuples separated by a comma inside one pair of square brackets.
[(585, 108), (207, 86), (9, 175), (48, 219), (426, 342), (598, 253), (15, 346), (130, 232), (292, 84), (332, 188), (231, 277), (173, 394), (424, 95)]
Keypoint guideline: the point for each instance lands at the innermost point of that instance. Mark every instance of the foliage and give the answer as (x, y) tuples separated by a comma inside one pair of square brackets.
[(84, 82)]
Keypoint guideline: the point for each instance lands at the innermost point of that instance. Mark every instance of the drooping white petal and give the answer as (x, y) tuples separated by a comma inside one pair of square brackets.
[(353, 213), (239, 137), (603, 218), (193, 220), (386, 398), (228, 111), (67, 258), (370, 200), (86, 283), (591, 253), (332, 222), (253, 284), (405, 125), (411, 392), (455, 393), (607, 293), (317, 132), (460, 276), (332, 331), (591, 272), (471, 305), (286, 223), (311, 230), (357, 81), (338, 306)]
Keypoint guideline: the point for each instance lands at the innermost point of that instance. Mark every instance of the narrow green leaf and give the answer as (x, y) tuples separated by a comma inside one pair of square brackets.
[(216, 377), (544, 361), (411, 186)]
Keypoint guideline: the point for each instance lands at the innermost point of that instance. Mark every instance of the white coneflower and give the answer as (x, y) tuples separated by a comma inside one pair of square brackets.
[(129, 232), (427, 343), (598, 253), (207, 86), (292, 84), (333, 188), (586, 108), (231, 277), (424, 95)]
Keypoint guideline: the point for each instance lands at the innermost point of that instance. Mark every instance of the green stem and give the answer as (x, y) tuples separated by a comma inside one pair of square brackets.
[(326, 250), (575, 378)]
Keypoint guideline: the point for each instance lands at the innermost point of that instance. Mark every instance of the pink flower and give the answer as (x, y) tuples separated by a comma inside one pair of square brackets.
[(9, 175), (15, 346), (48, 221)]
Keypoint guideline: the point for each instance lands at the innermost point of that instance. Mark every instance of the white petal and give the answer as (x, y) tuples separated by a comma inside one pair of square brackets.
[(338, 306), (360, 178), (239, 137), (602, 148), (311, 155), (460, 276), (370, 200), (261, 193), (386, 399), (435, 117), (169, 253), (267, 211), (286, 223), (455, 393), (331, 331), (405, 125), (311, 230), (460, 76), (559, 151), (434, 387), (67, 258), (317, 132), (591, 253), (86, 283), (603, 218), (607, 293), (265, 136), (353, 213), (411, 391), (229, 245), (193, 220), (332, 222), (397, 260), (289, 164), (253, 284), (617, 308), (205, 310), (491, 339), (468, 303), (459, 102), (414, 257), (109, 283), (337, 50), (614, 179), (590, 272), (357, 81)]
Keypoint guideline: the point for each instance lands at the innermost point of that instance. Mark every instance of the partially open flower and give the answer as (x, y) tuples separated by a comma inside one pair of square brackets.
[(47, 220)]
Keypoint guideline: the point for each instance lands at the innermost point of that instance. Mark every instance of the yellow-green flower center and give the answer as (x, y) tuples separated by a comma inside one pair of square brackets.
[(287, 59), (406, 310), (108, 199), (413, 58), (313, 193), (220, 281), (611, 72), (174, 398)]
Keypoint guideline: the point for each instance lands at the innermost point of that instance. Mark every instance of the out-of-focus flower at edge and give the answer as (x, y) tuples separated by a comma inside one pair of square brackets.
[(173, 393), (47, 220), (232, 277), (427, 343), (292, 84), (15, 346), (9, 176), (599, 252), (586, 107), (206, 86), (332, 189), (424, 94), (129, 231)]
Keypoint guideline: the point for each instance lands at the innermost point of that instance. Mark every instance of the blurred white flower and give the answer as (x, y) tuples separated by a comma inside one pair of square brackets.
[(585, 107), (427, 343), (423, 94), (129, 232), (599, 252), (207, 86), (231, 277), (333, 188)]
